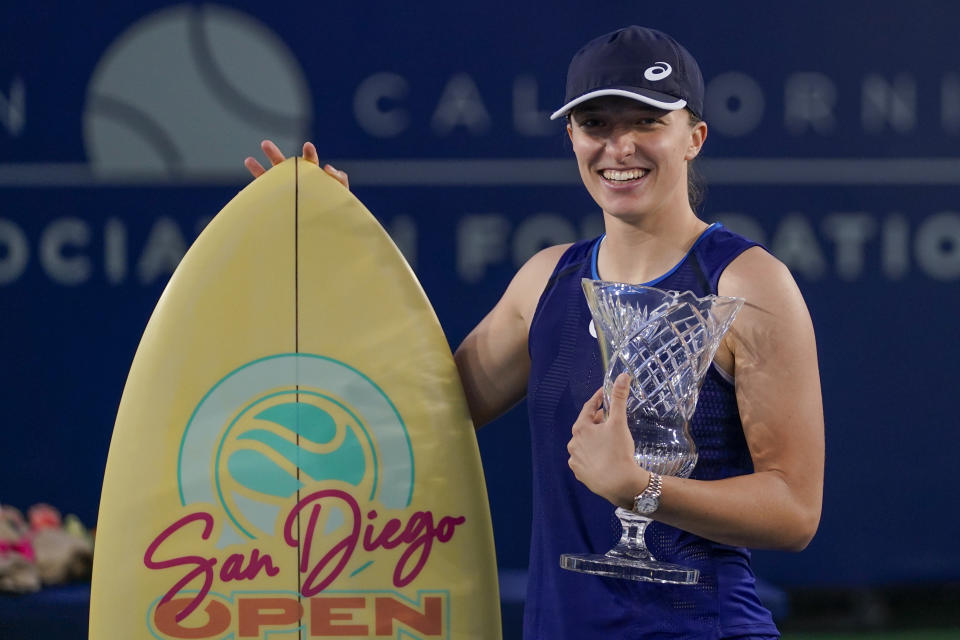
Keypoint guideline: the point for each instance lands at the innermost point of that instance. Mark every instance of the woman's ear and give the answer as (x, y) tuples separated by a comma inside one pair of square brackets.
[(698, 135)]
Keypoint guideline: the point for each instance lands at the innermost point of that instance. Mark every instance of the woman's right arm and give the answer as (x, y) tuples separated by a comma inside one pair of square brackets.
[(493, 359)]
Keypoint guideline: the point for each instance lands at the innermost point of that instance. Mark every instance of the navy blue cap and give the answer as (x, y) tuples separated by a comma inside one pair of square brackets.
[(638, 63)]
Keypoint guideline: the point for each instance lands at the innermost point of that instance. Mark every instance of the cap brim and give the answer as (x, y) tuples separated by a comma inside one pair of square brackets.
[(653, 98)]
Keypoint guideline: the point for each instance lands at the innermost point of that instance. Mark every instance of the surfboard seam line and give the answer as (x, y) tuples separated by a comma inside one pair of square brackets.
[(296, 348)]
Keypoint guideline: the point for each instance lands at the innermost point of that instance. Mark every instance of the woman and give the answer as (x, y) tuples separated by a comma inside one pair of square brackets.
[(633, 109)]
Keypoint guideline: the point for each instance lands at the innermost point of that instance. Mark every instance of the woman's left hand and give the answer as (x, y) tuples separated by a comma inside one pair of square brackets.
[(601, 450)]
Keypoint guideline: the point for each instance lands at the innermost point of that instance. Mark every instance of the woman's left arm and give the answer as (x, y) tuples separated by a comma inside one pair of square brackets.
[(774, 359)]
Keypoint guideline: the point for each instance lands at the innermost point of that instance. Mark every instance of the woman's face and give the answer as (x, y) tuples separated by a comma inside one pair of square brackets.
[(633, 157)]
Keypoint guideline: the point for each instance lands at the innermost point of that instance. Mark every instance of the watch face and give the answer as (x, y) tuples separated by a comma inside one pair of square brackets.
[(646, 505)]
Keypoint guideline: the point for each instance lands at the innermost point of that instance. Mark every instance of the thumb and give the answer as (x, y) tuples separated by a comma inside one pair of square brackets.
[(618, 395)]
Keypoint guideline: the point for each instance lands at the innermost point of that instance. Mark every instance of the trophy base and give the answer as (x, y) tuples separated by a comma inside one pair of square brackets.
[(611, 566)]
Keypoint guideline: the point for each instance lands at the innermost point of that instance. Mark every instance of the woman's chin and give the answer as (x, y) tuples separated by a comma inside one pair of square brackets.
[(625, 211)]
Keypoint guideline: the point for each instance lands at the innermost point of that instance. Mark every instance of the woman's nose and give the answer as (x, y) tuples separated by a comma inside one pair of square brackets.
[(622, 144)]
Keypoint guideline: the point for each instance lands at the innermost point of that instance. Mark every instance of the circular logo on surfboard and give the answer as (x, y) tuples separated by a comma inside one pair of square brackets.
[(285, 424)]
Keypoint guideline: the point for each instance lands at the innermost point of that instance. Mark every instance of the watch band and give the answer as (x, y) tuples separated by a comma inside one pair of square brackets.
[(648, 501)]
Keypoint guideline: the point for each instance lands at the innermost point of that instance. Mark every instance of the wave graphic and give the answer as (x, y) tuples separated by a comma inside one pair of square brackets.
[(253, 469)]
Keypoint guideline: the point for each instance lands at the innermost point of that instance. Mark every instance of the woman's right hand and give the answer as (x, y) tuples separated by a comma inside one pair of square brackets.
[(275, 156)]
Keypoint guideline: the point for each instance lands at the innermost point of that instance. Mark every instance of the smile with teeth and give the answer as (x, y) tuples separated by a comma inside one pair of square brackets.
[(623, 176)]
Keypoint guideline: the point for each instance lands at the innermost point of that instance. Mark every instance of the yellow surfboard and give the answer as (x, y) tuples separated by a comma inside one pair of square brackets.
[(293, 456)]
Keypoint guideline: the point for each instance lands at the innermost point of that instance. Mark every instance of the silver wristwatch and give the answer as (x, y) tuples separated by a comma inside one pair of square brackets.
[(648, 501)]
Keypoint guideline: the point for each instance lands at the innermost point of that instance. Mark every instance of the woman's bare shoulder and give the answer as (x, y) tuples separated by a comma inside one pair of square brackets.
[(544, 261), (774, 320), (530, 281), (757, 273)]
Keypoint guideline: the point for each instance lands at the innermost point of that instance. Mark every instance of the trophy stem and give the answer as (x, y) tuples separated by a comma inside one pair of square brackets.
[(631, 544), (630, 557)]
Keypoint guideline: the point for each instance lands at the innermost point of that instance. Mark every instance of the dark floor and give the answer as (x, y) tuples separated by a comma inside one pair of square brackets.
[(928, 612), (894, 608)]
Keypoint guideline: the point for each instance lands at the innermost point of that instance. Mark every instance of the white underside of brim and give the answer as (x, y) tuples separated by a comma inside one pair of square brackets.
[(565, 109)]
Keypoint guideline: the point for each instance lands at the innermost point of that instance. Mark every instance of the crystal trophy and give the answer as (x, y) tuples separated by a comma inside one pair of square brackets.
[(665, 341)]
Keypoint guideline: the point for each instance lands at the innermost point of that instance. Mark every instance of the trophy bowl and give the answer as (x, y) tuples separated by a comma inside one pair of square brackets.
[(665, 341)]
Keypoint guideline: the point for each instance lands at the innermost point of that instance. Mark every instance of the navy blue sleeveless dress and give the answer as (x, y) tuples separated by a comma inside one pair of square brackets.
[(568, 518)]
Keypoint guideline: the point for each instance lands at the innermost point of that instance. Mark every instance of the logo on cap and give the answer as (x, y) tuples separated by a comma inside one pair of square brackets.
[(658, 71)]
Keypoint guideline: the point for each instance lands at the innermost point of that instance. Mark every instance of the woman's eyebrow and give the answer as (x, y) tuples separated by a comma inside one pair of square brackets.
[(651, 111), (639, 111)]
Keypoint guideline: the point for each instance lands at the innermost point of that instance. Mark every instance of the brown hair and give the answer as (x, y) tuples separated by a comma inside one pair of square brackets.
[(696, 184)]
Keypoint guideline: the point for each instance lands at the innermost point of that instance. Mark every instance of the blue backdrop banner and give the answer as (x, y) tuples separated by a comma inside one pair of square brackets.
[(833, 129)]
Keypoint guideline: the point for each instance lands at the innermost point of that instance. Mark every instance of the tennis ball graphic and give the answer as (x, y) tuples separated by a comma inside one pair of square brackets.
[(188, 91), (288, 423), (269, 454)]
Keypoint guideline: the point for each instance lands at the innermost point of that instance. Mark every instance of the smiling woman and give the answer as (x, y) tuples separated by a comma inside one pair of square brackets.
[(633, 106), (634, 102), (632, 156)]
